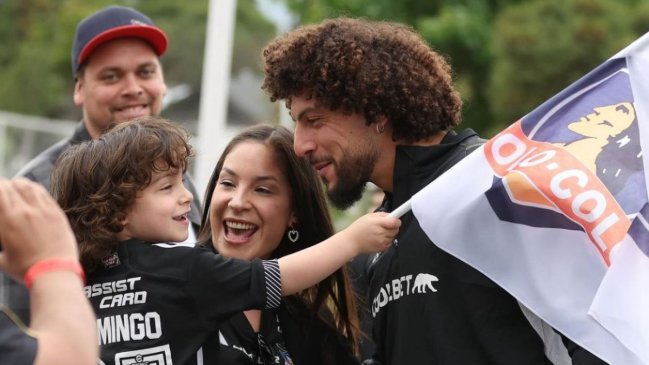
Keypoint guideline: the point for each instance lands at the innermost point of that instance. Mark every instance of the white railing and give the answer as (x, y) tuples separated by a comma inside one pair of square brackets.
[(23, 136)]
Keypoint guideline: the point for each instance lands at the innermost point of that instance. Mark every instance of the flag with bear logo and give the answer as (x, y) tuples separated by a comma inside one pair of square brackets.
[(555, 209)]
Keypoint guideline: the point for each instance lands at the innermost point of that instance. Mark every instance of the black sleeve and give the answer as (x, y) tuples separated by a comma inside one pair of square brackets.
[(223, 286), (16, 345)]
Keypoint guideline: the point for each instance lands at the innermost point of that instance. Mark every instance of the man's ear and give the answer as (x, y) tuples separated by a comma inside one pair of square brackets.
[(382, 122), (78, 94)]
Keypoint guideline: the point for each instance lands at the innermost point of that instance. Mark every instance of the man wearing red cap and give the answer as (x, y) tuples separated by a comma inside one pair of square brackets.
[(115, 64), (118, 76)]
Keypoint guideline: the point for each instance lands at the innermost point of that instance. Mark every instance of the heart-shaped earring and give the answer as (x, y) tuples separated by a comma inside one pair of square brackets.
[(293, 235)]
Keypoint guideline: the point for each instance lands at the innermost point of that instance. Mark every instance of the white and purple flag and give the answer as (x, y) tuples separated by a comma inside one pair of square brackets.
[(555, 209)]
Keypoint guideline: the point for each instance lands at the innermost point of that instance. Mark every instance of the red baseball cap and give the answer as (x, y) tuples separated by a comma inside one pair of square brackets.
[(111, 23)]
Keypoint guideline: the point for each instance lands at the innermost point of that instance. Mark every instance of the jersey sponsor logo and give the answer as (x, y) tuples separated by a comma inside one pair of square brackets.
[(159, 355), (111, 287), (123, 299), (423, 282), (111, 261), (129, 327), (573, 165), (123, 291), (403, 286)]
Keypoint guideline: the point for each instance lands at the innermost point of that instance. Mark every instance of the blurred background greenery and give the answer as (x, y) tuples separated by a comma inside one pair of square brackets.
[(509, 55)]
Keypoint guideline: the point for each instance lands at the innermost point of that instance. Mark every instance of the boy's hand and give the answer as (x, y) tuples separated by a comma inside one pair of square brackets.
[(373, 232)]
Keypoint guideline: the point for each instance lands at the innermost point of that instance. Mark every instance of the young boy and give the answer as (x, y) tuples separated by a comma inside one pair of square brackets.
[(158, 302)]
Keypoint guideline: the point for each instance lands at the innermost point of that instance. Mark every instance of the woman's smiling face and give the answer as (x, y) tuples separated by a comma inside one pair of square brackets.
[(251, 206)]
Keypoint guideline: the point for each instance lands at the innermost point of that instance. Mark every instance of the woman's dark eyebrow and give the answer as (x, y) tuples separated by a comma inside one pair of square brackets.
[(258, 178)]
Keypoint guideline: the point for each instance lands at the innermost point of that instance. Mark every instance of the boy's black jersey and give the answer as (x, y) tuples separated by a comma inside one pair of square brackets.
[(39, 170), (157, 304), (429, 307)]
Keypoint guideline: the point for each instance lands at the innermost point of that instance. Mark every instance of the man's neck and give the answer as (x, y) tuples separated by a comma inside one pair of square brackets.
[(91, 129)]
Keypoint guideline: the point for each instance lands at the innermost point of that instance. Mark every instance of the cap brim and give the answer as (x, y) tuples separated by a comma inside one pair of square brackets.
[(150, 34)]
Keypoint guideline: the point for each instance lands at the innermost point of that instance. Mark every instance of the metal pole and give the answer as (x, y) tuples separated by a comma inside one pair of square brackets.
[(212, 135)]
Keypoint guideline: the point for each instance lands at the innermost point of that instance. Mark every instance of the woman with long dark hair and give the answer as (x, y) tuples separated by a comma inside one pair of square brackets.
[(265, 202)]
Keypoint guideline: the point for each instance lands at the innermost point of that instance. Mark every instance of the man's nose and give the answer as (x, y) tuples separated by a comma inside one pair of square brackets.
[(132, 85), (303, 143)]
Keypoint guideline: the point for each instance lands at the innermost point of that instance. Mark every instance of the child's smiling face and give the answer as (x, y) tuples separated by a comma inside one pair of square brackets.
[(159, 213)]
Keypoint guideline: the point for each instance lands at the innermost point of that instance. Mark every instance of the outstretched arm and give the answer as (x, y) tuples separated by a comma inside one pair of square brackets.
[(372, 232), (34, 231)]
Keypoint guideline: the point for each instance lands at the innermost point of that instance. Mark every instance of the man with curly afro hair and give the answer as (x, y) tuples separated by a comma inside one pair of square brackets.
[(372, 102)]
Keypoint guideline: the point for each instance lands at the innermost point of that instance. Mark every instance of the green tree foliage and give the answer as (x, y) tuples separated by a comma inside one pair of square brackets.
[(251, 33), (462, 34), (542, 46), (185, 25), (30, 41)]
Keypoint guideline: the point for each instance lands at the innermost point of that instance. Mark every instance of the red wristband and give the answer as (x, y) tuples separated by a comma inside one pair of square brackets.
[(48, 265)]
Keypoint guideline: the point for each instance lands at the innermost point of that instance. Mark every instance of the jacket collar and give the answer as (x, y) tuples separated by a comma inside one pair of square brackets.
[(80, 134), (415, 165)]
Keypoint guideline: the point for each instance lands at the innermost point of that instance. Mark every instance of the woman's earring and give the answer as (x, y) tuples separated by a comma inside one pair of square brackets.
[(293, 235)]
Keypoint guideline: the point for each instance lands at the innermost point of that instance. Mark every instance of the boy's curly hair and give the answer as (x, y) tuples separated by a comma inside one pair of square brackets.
[(372, 68), (97, 182)]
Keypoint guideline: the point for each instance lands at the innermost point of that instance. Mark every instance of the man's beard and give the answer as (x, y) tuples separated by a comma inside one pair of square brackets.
[(352, 173)]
